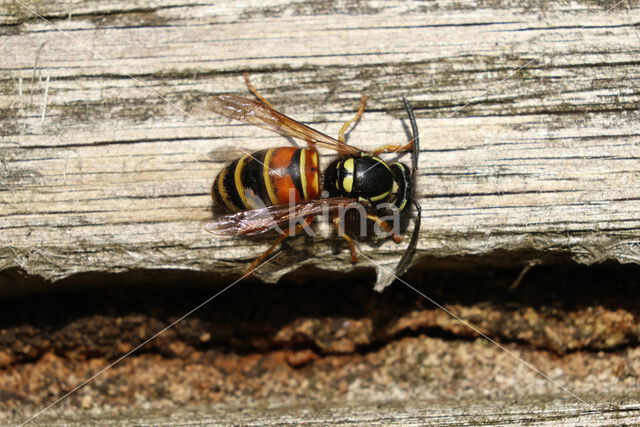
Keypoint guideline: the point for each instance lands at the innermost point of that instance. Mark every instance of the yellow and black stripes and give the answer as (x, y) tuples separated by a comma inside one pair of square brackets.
[(289, 175), (268, 177)]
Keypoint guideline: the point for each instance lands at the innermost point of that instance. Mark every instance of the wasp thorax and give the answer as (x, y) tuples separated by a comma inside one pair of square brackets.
[(367, 178)]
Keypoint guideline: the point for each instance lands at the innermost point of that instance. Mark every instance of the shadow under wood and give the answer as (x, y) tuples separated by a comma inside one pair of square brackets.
[(561, 307)]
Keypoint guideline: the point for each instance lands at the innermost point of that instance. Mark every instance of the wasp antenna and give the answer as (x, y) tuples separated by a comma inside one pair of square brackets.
[(414, 131), (405, 261)]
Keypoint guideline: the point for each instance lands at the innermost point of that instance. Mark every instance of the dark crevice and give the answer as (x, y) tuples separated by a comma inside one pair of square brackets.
[(91, 314)]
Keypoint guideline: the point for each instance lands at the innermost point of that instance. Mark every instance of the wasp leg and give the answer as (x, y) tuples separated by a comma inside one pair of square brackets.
[(255, 91), (345, 236), (345, 127), (283, 235), (394, 148), (385, 226), (262, 257)]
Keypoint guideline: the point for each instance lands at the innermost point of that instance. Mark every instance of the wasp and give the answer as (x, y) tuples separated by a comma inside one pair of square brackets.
[(269, 188)]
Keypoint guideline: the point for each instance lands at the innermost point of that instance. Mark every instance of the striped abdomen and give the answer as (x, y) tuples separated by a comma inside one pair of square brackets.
[(268, 177)]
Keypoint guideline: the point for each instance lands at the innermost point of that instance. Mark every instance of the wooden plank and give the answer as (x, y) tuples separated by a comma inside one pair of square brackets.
[(473, 412), (528, 117)]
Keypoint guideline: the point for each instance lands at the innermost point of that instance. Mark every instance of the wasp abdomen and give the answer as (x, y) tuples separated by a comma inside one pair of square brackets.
[(268, 177)]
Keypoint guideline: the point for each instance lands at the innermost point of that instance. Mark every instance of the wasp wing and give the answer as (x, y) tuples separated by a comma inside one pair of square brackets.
[(257, 221), (256, 113)]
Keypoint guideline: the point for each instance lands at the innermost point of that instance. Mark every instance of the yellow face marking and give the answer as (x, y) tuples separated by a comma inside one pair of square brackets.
[(267, 179), (347, 182), (348, 165)]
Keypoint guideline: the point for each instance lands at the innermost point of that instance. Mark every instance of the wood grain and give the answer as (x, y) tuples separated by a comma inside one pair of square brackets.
[(474, 412), (528, 116)]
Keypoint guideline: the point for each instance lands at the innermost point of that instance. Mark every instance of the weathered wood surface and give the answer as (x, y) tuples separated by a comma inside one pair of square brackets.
[(528, 114), (388, 413)]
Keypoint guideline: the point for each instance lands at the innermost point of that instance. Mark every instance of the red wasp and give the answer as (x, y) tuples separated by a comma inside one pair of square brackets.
[(268, 189)]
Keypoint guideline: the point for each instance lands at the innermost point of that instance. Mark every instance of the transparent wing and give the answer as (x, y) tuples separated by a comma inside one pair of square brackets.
[(261, 220), (256, 113)]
